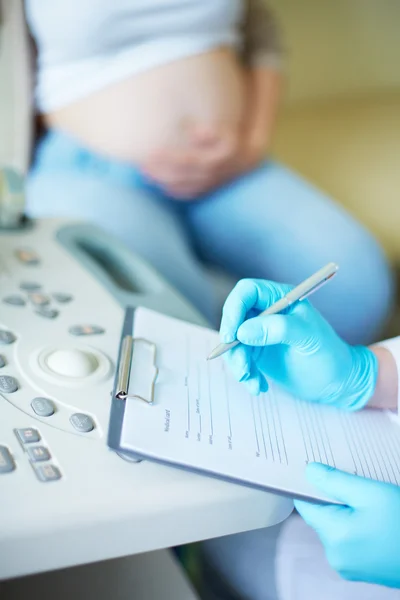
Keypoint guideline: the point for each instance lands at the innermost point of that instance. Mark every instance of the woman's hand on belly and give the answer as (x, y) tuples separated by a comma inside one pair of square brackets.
[(210, 158), (215, 155)]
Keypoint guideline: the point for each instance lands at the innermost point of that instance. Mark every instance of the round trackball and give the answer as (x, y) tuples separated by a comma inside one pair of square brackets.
[(72, 363)]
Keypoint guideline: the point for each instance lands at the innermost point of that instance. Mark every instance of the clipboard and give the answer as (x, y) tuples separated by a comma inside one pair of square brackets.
[(134, 354), (263, 443)]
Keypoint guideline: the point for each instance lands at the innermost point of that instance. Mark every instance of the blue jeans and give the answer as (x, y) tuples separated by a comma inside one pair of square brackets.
[(268, 224)]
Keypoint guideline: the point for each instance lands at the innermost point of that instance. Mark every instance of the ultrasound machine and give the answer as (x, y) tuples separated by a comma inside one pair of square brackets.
[(66, 499)]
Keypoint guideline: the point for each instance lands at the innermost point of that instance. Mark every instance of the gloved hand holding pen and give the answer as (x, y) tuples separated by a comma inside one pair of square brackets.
[(297, 349)]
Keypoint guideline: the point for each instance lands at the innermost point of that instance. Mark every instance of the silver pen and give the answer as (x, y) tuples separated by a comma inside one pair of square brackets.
[(299, 293)]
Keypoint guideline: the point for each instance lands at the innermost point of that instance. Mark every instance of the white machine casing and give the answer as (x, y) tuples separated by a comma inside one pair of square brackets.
[(103, 506)]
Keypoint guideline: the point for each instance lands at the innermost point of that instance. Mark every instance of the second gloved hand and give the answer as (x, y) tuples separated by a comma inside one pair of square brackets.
[(297, 349), (362, 536)]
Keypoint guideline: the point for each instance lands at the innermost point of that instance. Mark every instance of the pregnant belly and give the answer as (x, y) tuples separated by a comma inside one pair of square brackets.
[(130, 119)]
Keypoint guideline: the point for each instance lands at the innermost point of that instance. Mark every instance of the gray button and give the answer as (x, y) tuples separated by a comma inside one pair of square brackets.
[(6, 337), (39, 299), (62, 298), (82, 422), (7, 463), (2, 362), (48, 313), (8, 384), (27, 256), (28, 435), (30, 286), (47, 473), (38, 454), (14, 300), (43, 407), (86, 330)]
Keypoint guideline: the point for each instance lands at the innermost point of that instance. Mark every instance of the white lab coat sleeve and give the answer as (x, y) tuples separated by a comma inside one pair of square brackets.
[(393, 345), (302, 571)]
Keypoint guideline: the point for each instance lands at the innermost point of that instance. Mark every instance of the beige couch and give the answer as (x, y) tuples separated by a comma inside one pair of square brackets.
[(340, 126)]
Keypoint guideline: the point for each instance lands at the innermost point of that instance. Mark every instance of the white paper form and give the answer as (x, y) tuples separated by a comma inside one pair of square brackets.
[(203, 420)]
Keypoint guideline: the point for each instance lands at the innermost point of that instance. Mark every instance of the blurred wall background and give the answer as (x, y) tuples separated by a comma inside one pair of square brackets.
[(340, 125)]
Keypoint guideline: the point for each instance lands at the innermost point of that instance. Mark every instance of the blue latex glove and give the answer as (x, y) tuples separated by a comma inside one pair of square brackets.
[(297, 349), (361, 539)]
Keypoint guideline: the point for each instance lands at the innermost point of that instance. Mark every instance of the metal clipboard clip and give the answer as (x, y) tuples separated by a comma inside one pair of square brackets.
[(137, 372)]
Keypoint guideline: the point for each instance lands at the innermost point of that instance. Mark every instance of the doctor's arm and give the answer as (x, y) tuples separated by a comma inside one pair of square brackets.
[(299, 350)]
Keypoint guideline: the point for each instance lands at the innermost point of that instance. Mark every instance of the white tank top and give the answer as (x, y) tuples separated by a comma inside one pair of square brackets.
[(87, 44)]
